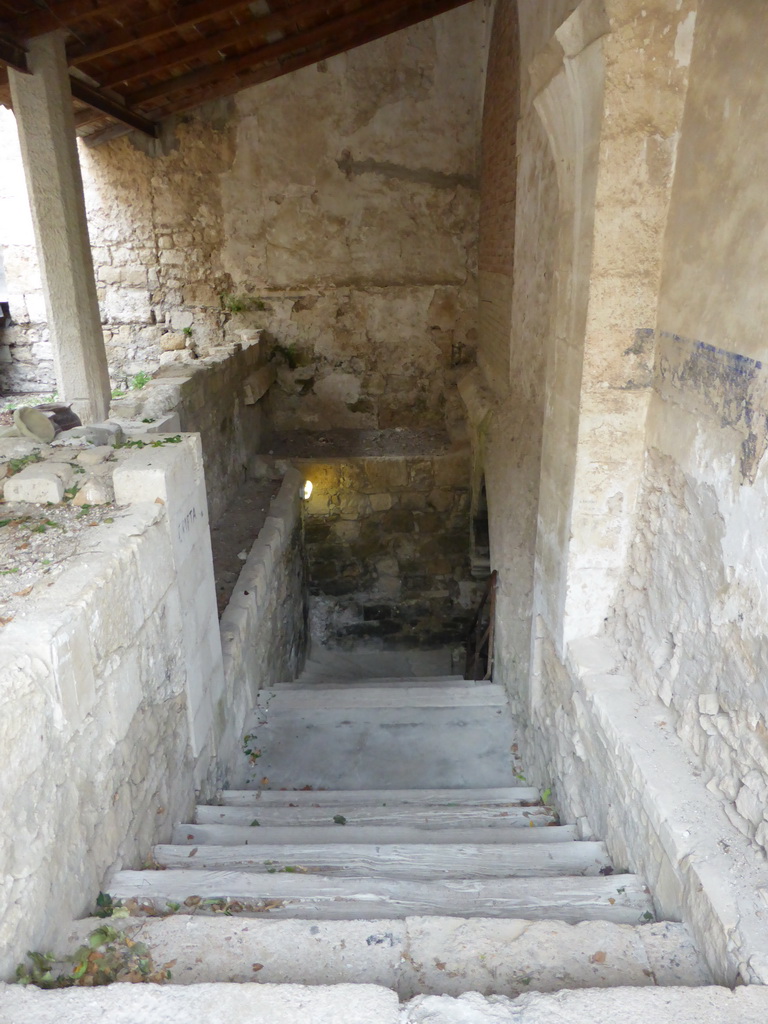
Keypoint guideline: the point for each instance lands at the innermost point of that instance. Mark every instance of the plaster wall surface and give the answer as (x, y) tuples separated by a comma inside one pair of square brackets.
[(506, 401), (336, 207)]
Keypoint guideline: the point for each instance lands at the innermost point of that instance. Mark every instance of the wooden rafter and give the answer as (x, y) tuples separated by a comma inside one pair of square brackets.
[(229, 84), (257, 29), (97, 99), (15, 56), (172, 20), (362, 19), (64, 14)]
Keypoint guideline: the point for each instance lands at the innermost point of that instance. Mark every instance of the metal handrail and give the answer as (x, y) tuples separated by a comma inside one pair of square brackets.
[(480, 639)]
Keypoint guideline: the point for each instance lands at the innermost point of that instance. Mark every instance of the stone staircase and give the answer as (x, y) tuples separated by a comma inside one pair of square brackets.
[(380, 833)]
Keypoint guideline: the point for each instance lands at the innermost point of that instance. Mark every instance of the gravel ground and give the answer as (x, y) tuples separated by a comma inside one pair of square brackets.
[(36, 544)]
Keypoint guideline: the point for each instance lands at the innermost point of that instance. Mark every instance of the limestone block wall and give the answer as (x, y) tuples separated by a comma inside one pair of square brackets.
[(214, 396), (95, 729), (335, 207), (264, 632), (388, 550)]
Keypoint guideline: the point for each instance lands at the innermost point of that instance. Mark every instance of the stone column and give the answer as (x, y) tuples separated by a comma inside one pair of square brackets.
[(42, 104)]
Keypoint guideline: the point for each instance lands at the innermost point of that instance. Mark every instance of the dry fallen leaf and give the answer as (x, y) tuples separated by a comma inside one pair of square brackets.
[(24, 592), (598, 957)]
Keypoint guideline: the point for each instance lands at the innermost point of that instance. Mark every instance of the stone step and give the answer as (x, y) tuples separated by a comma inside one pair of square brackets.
[(365, 662), (331, 682), (420, 817), (415, 695), (622, 899), (414, 861), (375, 797), (395, 682), (416, 955), (256, 1003), (465, 747), (244, 835)]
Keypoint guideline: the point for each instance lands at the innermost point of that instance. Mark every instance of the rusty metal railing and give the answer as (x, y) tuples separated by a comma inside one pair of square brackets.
[(479, 663)]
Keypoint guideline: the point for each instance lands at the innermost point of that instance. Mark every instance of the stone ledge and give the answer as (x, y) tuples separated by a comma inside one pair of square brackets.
[(712, 873)]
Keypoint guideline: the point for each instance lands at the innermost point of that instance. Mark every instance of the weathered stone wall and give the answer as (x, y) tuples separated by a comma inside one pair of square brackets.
[(95, 733), (264, 633), (693, 609), (388, 550), (26, 359), (336, 207), (649, 531), (219, 397)]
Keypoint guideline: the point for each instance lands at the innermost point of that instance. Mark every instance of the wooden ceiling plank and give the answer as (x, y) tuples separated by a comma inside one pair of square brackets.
[(370, 12), (332, 48), (169, 21), (96, 99), (238, 34), (62, 15)]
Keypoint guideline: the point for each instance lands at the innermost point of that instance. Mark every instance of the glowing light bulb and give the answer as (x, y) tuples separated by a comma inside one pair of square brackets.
[(307, 490)]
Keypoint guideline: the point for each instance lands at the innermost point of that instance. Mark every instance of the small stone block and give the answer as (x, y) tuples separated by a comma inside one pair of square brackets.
[(94, 456), (35, 483), (167, 424)]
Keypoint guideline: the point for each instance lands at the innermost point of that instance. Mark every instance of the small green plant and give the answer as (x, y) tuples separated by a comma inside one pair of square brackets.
[(255, 823), (141, 379), (119, 393), (187, 332), (546, 796), (138, 443), (233, 303), (16, 465), (107, 956), (250, 751), (339, 819)]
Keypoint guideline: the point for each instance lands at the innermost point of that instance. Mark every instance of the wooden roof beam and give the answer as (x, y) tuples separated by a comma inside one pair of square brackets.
[(61, 15), (257, 29), (97, 99), (150, 28), (362, 17), (229, 84)]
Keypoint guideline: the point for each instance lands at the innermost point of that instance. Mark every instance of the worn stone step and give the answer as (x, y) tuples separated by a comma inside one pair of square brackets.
[(414, 955), (623, 899), (421, 817), (331, 682), (417, 695), (376, 797), (410, 861), (244, 835), (256, 1003), (465, 747)]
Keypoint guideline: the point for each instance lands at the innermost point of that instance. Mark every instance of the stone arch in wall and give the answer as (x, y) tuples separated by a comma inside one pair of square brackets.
[(612, 122)]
